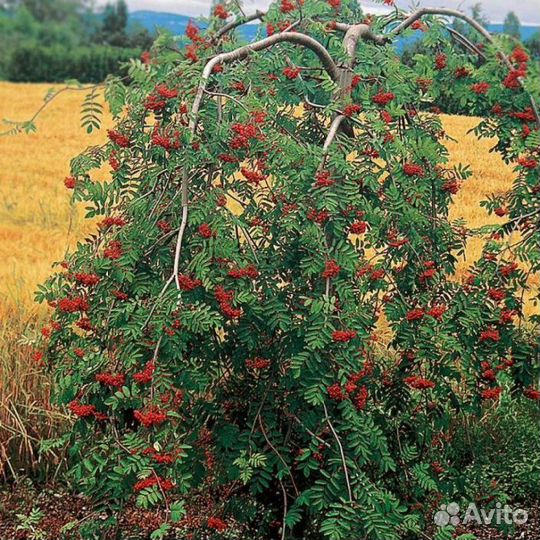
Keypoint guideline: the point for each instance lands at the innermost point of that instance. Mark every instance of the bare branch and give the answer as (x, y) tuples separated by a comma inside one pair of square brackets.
[(341, 451), (356, 32), (466, 42), (276, 451), (413, 17), (285, 510), (238, 22), (322, 441), (332, 132), (20, 126), (242, 52), (239, 54), (181, 231)]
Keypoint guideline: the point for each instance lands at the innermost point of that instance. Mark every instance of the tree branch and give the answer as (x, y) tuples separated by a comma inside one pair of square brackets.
[(238, 22), (356, 32), (332, 132), (242, 52), (341, 451), (413, 17), (239, 54), (21, 125), (466, 42), (276, 451)]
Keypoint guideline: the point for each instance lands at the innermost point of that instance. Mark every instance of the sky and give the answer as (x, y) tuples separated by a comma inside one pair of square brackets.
[(527, 10)]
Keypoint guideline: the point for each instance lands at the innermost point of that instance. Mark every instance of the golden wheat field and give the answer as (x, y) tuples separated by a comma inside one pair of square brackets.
[(38, 224)]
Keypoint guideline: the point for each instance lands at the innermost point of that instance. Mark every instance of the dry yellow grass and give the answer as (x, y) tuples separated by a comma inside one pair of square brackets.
[(490, 175), (38, 224), (35, 210)]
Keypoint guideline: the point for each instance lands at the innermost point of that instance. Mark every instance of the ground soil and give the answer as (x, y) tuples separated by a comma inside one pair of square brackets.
[(60, 508)]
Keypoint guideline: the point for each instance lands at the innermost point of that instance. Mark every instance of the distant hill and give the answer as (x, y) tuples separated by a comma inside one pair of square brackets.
[(153, 20), (526, 31)]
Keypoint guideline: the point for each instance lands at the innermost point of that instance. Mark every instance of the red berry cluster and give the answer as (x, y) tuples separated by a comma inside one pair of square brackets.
[(351, 110), (153, 416), (116, 380), (250, 271), (253, 177), (291, 73), (217, 524), (343, 336), (415, 314), (205, 231), (112, 221), (220, 11), (118, 138), (85, 411), (145, 376), (412, 169), (383, 98), (480, 88), (113, 251), (73, 305), (419, 383), (162, 483), (318, 216), (225, 299), (440, 61), (187, 283), (491, 334), (323, 179), (331, 269), (258, 363), (166, 138)]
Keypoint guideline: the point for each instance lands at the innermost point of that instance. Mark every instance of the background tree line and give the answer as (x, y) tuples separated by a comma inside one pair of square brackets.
[(55, 40)]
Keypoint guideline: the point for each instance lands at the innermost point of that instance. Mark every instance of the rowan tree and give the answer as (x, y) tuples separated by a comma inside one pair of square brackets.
[(221, 336)]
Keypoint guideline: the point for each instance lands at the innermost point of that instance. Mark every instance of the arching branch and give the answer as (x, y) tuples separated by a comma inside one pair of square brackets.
[(28, 125), (242, 52), (239, 54), (353, 34), (413, 17), (418, 14), (468, 44), (238, 22), (356, 32), (332, 132)]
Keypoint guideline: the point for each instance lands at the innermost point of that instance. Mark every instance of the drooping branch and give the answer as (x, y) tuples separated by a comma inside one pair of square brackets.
[(239, 54), (238, 22), (353, 34), (356, 32), (341, 452), (468, 44), (332, 132), (418, 14), (242, 52), (183, 225), (28, 125)]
